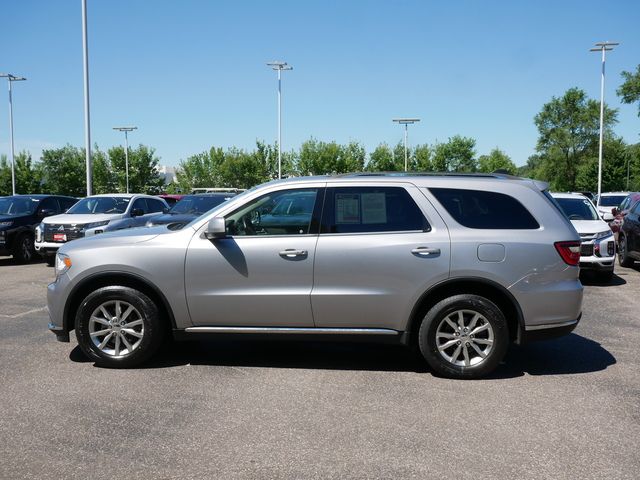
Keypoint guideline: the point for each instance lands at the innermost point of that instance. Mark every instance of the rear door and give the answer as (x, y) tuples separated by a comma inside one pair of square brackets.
[(380, 247)]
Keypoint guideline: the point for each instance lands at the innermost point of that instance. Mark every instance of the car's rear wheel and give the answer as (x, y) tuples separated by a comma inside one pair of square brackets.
[(623, 255), (464, 336), (119, 327), (23, 250)]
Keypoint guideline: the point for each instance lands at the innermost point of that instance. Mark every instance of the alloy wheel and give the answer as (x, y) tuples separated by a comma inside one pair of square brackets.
[(464, 338), (116, 328)]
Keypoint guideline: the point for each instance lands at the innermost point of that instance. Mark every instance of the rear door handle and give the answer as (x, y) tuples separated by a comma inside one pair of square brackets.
[(426, 251), (292, 253)]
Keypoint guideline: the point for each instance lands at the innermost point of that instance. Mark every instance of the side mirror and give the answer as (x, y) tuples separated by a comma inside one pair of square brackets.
[(216, 229), (137, 212), (46, 212), (608, 217), (614, 211), (165, 210)]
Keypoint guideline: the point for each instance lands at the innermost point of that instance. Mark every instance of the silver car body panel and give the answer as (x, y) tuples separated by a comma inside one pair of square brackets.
[(361, 281)]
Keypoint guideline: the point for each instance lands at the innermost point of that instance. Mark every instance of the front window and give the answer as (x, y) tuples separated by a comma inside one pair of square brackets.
[(578, 209), (100, 205), (611, 200), (286, 212), (198, 205), (15, 206)]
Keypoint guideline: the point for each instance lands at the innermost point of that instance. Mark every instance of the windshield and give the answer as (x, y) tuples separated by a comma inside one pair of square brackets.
[(100, 205), (578, 208), (18, 205), (198, 205), (611, 200)]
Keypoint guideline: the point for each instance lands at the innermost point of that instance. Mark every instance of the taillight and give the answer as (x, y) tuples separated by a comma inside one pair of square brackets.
[(569, 251)]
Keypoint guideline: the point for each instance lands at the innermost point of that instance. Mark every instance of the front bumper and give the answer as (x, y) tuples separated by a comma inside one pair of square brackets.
[(56, 296), (47, 248)]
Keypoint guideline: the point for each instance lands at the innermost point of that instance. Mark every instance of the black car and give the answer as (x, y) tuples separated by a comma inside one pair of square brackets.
[(629, 237), (19, 215), (190, 207)]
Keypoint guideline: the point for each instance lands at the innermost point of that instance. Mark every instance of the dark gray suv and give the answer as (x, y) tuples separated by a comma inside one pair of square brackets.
[(458, 265)]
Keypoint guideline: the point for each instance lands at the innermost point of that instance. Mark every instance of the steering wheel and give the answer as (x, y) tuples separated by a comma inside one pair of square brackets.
[(248, 226)]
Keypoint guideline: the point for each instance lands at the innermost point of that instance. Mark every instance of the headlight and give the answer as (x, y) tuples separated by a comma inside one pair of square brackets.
[(5, 224), (604, 234), (87, 226), (63, 263)]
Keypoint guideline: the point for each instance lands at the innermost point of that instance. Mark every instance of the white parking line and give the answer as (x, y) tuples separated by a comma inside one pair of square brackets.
[(16, 315)]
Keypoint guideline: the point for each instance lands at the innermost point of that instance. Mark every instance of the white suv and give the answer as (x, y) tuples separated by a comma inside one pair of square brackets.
[(598, 251), (94, 215)]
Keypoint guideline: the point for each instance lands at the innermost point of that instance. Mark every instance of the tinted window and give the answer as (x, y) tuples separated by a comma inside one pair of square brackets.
[(100, 205), (49, 204), (486, 210), (371, 209), (18, 205), (286, 212), (636, 208), (578, 208), (611, 200), (198, 204), (140, 204), (67, 203), (155, 205)]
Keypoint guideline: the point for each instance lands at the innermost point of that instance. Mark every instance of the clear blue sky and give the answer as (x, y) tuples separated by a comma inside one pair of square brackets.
[(191, 74)]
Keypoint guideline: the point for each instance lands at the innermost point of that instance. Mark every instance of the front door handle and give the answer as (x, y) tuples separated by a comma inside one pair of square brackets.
[(426, 251), (292, 253)]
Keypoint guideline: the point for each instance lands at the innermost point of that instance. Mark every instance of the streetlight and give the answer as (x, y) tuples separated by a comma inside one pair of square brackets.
[(87, 127), (126, 131), (602, 47), (406, 122), (279, 66), (10, 79)]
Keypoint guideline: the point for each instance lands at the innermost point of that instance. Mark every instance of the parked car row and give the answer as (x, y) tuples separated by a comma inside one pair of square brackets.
[(31, 224)]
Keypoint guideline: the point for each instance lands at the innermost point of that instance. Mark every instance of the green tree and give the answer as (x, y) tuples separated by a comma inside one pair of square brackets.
[(382, 160), (321, 158), (241, 169), (614, 169), (105, 179), (531, 169), (629, 91), (5, 176), (568, 127), (496, 160), (457, 155), (63, 171), (422, 158), (200, 170), (143, 173)]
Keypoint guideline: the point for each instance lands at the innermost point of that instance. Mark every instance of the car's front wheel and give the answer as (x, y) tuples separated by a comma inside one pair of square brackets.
[(464, 336), (24, 250), (119, 327)]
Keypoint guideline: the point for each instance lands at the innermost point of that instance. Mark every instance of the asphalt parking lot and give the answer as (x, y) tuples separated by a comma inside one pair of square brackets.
[(566, 408)]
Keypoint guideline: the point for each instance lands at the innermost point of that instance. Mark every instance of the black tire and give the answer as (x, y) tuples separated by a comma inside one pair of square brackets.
[(50, 259), (23, 249), (154, 327), (623, 255), (468, 303)]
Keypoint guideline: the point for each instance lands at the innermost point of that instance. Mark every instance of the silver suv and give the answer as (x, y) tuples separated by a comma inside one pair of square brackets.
[(458, 265)]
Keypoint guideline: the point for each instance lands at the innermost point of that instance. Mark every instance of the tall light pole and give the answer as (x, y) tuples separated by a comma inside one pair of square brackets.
[(10, 79), (126, 131), (279, 66), (602, 47), (87, 127), (406, 122)]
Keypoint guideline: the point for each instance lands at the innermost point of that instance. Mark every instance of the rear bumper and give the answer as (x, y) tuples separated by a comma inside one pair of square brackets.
[(546, 332)]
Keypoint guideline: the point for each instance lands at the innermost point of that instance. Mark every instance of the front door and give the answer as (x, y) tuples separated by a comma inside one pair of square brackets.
[(261, 274)]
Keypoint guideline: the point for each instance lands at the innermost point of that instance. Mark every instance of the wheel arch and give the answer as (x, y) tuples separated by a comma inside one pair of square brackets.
[(468, 285), (115, 278)]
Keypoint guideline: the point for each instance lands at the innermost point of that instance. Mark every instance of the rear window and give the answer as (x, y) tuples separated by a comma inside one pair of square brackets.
[(485, 210)]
